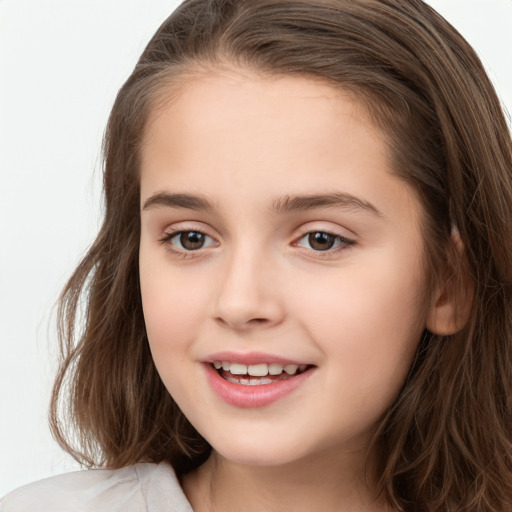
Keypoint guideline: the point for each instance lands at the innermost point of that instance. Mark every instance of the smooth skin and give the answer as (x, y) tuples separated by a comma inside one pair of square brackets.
[(242, 265)]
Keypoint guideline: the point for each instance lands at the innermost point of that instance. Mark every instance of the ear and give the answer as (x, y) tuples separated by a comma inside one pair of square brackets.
[(453, 298)]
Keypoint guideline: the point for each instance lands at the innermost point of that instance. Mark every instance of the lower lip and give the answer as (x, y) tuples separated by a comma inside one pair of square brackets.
[(250, 397)]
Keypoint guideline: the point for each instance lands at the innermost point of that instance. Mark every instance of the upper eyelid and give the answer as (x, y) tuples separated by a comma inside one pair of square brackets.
[(330, 226), (327, 232), (333, 228), (185, 226)]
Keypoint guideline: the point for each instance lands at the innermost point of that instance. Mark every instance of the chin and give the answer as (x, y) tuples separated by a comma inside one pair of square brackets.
[(247, 452)]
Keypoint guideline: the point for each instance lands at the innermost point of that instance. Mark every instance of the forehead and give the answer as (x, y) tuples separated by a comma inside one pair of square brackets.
[(203, 98), (257, 133), (240, 108)]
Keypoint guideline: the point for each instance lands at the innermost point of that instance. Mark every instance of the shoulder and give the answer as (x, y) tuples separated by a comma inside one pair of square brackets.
[(143, 487)]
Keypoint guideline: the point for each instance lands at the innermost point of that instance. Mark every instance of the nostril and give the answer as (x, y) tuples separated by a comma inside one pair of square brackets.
[(254, 322)]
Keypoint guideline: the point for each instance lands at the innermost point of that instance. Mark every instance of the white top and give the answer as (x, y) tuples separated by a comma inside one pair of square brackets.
[(143, 487)]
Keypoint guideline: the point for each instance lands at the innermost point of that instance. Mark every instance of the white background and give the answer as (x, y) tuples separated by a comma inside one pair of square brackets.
[(61, 64)]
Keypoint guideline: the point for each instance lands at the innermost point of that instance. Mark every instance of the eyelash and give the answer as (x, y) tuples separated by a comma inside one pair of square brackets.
[(342, 242)]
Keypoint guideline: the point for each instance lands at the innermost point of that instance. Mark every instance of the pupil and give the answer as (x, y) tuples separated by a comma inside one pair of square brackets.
[(192, 240), (321, 241)]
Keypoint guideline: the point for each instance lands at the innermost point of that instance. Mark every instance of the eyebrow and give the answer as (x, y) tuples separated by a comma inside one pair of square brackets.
[(188, 201), (335, 200), (281, 205)]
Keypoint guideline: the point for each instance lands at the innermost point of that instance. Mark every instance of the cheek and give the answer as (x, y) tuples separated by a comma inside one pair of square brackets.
[(172, 306), (367, 319), (172, 314)]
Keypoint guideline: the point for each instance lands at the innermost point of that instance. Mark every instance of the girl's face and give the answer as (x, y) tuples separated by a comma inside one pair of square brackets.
[(275, 239)]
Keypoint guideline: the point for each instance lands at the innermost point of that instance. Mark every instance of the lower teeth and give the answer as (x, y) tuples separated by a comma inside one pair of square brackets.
[(248, 380)]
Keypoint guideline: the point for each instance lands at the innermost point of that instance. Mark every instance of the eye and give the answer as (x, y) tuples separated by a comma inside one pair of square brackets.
[(188, 240), (323, 241)]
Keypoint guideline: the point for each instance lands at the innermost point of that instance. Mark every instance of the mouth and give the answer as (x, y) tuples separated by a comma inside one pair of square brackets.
[(258, 374), (255, 380)]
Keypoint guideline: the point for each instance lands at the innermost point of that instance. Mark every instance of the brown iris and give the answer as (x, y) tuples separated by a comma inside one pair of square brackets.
[(320, 241), (192, 240)]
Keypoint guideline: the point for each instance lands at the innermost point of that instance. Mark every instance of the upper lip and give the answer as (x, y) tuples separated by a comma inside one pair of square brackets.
[(248, 358)]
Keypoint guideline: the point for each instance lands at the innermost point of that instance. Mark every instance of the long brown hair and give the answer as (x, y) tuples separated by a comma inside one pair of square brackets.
[(445, 444)]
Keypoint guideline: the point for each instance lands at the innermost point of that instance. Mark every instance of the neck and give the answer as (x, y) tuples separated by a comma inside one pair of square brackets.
[(326, 483)]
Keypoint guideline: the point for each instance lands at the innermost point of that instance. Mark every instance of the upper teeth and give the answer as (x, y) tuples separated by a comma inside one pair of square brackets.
[(258, 370)]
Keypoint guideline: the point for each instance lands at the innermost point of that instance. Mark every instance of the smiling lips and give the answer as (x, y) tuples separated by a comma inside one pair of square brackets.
[(257, 384)]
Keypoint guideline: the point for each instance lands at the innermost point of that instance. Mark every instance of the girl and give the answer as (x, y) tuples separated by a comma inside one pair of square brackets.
[(300, 295)]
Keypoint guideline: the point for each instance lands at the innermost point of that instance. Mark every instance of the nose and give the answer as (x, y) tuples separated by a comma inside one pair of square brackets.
[(248, 293)]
